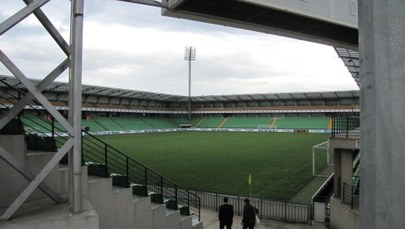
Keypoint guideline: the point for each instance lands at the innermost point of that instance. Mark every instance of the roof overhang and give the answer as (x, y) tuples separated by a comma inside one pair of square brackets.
[(327, 22)]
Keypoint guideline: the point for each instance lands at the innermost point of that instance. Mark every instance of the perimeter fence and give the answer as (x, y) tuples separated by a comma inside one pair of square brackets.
[(268, 209)]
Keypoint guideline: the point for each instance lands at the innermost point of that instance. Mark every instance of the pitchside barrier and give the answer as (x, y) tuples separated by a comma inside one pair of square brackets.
[(268, 209), (112, 132)]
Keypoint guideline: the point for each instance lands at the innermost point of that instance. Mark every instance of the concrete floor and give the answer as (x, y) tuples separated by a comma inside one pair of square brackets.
[(210, 219)]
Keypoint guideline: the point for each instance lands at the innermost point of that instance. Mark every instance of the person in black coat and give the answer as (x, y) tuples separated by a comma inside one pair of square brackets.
[(249, 215), (225, 215)]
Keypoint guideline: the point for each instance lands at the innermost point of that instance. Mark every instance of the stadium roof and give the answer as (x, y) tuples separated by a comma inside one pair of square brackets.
[(278, 96), (351, 60), (317, 21), (60, 87)]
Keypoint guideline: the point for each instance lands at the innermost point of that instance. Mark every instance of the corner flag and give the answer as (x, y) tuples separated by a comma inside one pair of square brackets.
[(250, 184)]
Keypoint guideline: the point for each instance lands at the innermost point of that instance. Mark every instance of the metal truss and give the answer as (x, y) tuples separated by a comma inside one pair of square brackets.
[(72, 125), (73, 61)]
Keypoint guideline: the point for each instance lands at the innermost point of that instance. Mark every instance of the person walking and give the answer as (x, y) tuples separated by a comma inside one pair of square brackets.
[(249, 215), (225, 215)]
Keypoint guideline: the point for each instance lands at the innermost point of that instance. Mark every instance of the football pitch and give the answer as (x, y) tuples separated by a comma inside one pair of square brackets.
[(280, 163)]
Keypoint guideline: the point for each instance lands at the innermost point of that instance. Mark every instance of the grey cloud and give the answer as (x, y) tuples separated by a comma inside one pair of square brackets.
[(158, 71)]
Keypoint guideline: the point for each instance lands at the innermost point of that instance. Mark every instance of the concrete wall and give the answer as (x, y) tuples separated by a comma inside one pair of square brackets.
[(39, 211), (104, 206), (342, 217), (10, 180), (347, 166), (382, 58), (12, 183), (119, 209), (335, 11)]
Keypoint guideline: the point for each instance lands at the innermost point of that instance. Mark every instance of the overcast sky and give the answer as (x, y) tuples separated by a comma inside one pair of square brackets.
[(132, 46)]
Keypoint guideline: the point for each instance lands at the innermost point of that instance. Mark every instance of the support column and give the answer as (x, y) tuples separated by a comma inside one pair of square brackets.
[(347, 167), (337, 164), (382, 58), (75, 104)]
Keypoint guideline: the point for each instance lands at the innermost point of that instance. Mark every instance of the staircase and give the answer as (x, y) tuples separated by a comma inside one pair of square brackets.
[(221, 124), (105, 205), (118, 208), (118, 191)]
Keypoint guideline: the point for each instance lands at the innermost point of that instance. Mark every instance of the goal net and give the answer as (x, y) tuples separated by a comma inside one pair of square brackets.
[(321, 159)]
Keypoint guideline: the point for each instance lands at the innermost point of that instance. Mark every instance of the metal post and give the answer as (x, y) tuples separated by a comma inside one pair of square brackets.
[(313, 161), (261, 209), (161, 186), (238, 205), (199, 209), (175, 194), (347, 126), (188, 199), (106, 160), (216, 202), (127, 170), (189, 55), (75, 105), (146, 182), (285, 211), (189, 88)]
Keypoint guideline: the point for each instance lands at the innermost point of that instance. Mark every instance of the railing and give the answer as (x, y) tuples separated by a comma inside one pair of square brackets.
[(343, 124), (105, 160), (34, 133), (350, 196), (276, 210)]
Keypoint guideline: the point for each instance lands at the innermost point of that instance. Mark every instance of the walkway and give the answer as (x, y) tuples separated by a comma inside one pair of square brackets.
[(210, 218)]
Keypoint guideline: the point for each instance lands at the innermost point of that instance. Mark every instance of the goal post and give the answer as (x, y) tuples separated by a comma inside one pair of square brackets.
[(321, 158)]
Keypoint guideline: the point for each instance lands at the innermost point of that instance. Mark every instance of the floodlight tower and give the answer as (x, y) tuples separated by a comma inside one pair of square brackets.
[(189, 55)]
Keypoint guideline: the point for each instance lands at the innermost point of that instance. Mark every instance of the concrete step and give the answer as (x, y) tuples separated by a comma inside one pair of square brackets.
[(172, 219), (123, 208), (119, 208), (158, 216), (63, 188), (143, 217), (197, 224), (99, 192), (186, 222)]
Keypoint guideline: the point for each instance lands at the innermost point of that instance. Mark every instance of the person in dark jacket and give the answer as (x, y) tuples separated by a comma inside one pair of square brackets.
[(225, 215), (249, 215)]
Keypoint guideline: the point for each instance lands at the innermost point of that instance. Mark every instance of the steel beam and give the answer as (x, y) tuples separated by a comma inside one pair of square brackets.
[(20, 15), (37, 180), (34, 91), (20, 105), (9, 159), (75, 103), (51, 29)]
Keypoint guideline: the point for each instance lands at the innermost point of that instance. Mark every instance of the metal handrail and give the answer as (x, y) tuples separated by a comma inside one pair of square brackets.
[(137, 174), (343, 124), (124, 170), (268, 209), (350, 195)]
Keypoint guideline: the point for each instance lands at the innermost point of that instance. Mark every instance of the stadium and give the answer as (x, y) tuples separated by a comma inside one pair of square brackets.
[(85, 156)]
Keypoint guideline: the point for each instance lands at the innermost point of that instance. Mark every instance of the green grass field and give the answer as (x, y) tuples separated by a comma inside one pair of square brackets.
[(280, 163)]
